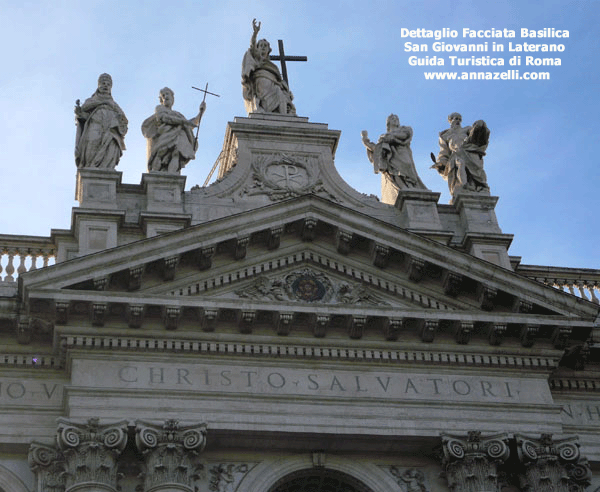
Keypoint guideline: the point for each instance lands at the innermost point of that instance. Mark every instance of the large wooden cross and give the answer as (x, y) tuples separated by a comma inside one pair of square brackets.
[(282, 58)]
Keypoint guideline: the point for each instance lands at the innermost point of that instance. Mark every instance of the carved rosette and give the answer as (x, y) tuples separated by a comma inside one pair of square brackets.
[(48, 465), (552, 465), (471, 464), (170, 452), (91, 451)]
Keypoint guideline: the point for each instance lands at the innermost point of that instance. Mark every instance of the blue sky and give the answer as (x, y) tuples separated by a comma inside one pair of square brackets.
[(542, 159)]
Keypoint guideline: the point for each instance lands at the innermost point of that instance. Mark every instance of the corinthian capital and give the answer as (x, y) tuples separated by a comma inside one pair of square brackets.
[(48, 465), (91, 451), (552, 465), (170, 452), (471, 462)]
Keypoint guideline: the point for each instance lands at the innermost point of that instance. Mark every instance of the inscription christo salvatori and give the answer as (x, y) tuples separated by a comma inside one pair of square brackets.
[(15, 391), (260, 380), (582, 412)]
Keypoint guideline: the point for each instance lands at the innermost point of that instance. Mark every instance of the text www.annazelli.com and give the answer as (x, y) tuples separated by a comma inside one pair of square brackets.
[(506, 75)]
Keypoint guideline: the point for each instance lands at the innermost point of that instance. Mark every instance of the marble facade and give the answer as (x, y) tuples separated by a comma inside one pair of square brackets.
[(278, 331)]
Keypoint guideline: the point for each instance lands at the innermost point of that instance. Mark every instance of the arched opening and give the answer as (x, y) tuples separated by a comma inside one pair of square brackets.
[(318, 480)]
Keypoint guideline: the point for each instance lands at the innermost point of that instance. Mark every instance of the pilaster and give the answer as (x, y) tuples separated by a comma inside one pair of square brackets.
[(48, 466)]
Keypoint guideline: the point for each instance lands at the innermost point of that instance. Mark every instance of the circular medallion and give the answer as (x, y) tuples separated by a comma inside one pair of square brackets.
[(308, 288)]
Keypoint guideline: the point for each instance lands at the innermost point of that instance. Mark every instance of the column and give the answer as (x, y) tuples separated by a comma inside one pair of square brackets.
[(170, 454), (471, 463), (549, 465), (90, 453)]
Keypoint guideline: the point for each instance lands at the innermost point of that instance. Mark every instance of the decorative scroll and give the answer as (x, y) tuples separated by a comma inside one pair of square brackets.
[(48, 465), (552, 465), (91, 451), (471, 463), (170, 452)]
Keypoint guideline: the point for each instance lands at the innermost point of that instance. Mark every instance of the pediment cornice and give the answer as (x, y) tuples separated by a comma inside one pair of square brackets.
[(431, 283)]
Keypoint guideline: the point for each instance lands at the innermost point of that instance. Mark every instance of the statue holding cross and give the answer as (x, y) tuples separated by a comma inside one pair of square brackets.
[(265, 90)]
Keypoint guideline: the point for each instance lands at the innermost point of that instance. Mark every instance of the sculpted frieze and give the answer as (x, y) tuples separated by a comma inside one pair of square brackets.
[(409, 479), (225, 477), (307, 285), (282, 176)]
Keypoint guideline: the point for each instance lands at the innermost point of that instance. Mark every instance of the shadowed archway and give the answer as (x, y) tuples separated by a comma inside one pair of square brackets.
[(318, 480)]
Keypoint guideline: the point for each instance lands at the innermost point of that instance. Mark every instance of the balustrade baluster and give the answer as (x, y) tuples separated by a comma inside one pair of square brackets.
[(10, 268), (2, 253), (22, 257), (591, 288), (34, 256), (581, 291), (570, 286), (45, 255)]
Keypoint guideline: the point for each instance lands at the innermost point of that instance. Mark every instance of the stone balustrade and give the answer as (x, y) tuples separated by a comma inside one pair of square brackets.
[(20, 254), (580, 282)]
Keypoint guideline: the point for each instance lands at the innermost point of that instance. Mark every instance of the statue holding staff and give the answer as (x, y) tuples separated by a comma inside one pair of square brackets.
[(171, 141), (263, 87), (101, 129)]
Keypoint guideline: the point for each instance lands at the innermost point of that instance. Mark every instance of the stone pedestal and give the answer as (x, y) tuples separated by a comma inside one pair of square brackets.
[(483, 237), (418, 209), (97, 188), (164, 203), (164, 192), (272, 157)]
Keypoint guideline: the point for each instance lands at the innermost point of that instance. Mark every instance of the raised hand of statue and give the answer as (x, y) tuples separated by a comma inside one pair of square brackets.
[(365, 136), (255, 26), (202, 108)]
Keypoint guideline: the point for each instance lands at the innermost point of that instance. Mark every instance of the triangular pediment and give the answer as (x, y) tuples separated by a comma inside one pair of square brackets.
[(270, 259)]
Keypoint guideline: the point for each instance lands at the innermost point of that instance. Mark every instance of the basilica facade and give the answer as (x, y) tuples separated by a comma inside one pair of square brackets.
[(278, 331)]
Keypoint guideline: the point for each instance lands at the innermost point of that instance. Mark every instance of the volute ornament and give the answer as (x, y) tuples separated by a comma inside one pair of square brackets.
[(471, 464), (170, 451), (91, 451), (550, 465), (48, 465)]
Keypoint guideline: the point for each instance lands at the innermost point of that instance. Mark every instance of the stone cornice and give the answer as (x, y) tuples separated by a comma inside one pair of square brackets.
[(72, 343), (287, 212)]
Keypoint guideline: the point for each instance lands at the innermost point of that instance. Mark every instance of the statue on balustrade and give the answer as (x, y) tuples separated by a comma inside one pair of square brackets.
[(101, 129), (460, 160), (392, 156), (263, 87), (171, 141)]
